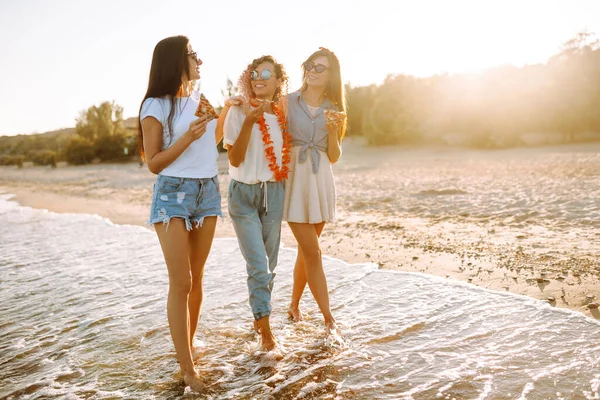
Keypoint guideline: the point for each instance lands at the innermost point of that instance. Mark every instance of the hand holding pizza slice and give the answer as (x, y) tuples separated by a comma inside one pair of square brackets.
[(334, 119), (254, 102), (205, 108)]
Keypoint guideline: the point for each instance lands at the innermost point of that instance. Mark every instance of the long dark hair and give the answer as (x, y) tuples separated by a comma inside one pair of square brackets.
[(169, 61), (335, 89)]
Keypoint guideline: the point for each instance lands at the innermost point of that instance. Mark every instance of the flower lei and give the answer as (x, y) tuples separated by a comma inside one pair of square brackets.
[(278, 172)]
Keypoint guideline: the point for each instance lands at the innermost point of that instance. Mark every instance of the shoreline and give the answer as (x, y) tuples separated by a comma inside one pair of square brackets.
[(407, 259), (362, 233)]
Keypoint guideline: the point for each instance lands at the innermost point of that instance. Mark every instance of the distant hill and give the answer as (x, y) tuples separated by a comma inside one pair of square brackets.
[(130, 123), (41, 148)]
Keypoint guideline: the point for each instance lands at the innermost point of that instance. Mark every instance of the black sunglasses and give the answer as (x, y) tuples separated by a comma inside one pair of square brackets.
[(318, 68), (264, 75), (194, 54)]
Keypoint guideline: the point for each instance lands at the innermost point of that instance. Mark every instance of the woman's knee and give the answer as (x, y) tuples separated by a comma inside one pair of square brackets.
[(311, 256), (196, 281), (180, 286), (261, 276)]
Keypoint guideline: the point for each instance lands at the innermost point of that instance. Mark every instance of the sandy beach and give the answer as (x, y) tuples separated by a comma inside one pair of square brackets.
[(391, 211)]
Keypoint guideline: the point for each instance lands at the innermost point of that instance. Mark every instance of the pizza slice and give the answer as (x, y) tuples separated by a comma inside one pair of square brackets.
[(205, 108), (254, 102), (334, 118)]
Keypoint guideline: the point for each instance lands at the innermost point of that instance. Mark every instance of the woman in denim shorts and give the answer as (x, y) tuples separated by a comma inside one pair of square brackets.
[(182, 150)]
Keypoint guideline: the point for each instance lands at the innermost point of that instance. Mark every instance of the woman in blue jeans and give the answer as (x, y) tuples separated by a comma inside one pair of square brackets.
[(258, 151), (186, 201)]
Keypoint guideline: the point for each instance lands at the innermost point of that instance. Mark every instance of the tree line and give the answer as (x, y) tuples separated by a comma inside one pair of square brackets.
[(496, 108), (100, 133)]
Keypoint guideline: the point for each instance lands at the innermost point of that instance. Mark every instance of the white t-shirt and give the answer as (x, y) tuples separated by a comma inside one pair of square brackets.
[(199, 160), (255, 167)]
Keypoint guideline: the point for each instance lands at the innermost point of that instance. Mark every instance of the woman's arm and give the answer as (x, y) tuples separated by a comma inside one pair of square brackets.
[(334, 143), (152, 130), (233, 101), (236, 153), (219, 132)]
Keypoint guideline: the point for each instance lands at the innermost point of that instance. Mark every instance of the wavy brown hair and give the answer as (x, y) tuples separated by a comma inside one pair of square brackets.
[(245, 81), (169, 63), (335, 89)]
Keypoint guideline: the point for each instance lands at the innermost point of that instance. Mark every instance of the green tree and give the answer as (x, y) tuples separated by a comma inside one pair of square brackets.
[(103, 126), (79, 151), (44, 157), (99, 121), (112, 147), (359, 101)]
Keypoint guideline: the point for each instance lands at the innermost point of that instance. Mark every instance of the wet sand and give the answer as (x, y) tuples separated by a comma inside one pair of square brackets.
[(371, 225)]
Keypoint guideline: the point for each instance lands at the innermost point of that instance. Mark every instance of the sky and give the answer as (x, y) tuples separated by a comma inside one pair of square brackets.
[(57, 58)]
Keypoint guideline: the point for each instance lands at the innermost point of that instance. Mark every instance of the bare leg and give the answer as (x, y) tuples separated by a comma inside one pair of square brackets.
[(308, 244), (264, 327), (175, 246), (300, 280), (201, 240), (297, 288)]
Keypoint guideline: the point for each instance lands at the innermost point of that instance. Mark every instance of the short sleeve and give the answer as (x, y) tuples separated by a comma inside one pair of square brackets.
[(211, 128), (153, 107), (233, 125)]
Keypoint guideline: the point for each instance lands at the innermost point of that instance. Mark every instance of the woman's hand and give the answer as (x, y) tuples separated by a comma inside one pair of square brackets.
[(197, 128), (334, 126), (254, 114), (334, 120), (235, 101)]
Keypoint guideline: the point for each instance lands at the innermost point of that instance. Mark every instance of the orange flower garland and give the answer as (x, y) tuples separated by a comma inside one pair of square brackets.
[(278, 172)]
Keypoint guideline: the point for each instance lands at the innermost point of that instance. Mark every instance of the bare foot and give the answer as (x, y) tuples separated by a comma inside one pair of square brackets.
[(295, 314), (268, 342), (256, 326), (331, 328), (333, 336), (194, 381)]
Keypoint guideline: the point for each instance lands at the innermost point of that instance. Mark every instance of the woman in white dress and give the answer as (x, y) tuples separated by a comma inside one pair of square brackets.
[(309, 200)]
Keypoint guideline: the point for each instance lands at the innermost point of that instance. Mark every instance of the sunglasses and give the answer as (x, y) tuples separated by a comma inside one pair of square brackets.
[(318, 68), (194, 55), (264, 75)]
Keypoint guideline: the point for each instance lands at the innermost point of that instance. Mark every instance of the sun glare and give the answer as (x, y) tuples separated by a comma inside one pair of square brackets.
[(468, 36)]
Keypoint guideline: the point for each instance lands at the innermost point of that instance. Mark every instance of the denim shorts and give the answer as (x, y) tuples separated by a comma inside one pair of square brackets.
[(191, 199)]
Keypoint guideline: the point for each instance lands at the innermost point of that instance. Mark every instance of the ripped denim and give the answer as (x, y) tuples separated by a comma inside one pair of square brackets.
[(190, 199)]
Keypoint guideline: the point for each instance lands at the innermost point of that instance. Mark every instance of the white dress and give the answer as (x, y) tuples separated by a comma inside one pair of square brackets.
[(309, 197)]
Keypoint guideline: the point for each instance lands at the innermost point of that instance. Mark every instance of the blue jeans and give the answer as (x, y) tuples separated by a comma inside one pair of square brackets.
[(256, 212)]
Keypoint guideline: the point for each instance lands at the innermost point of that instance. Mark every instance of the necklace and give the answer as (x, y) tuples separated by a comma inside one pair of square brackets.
[(278, 172)]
